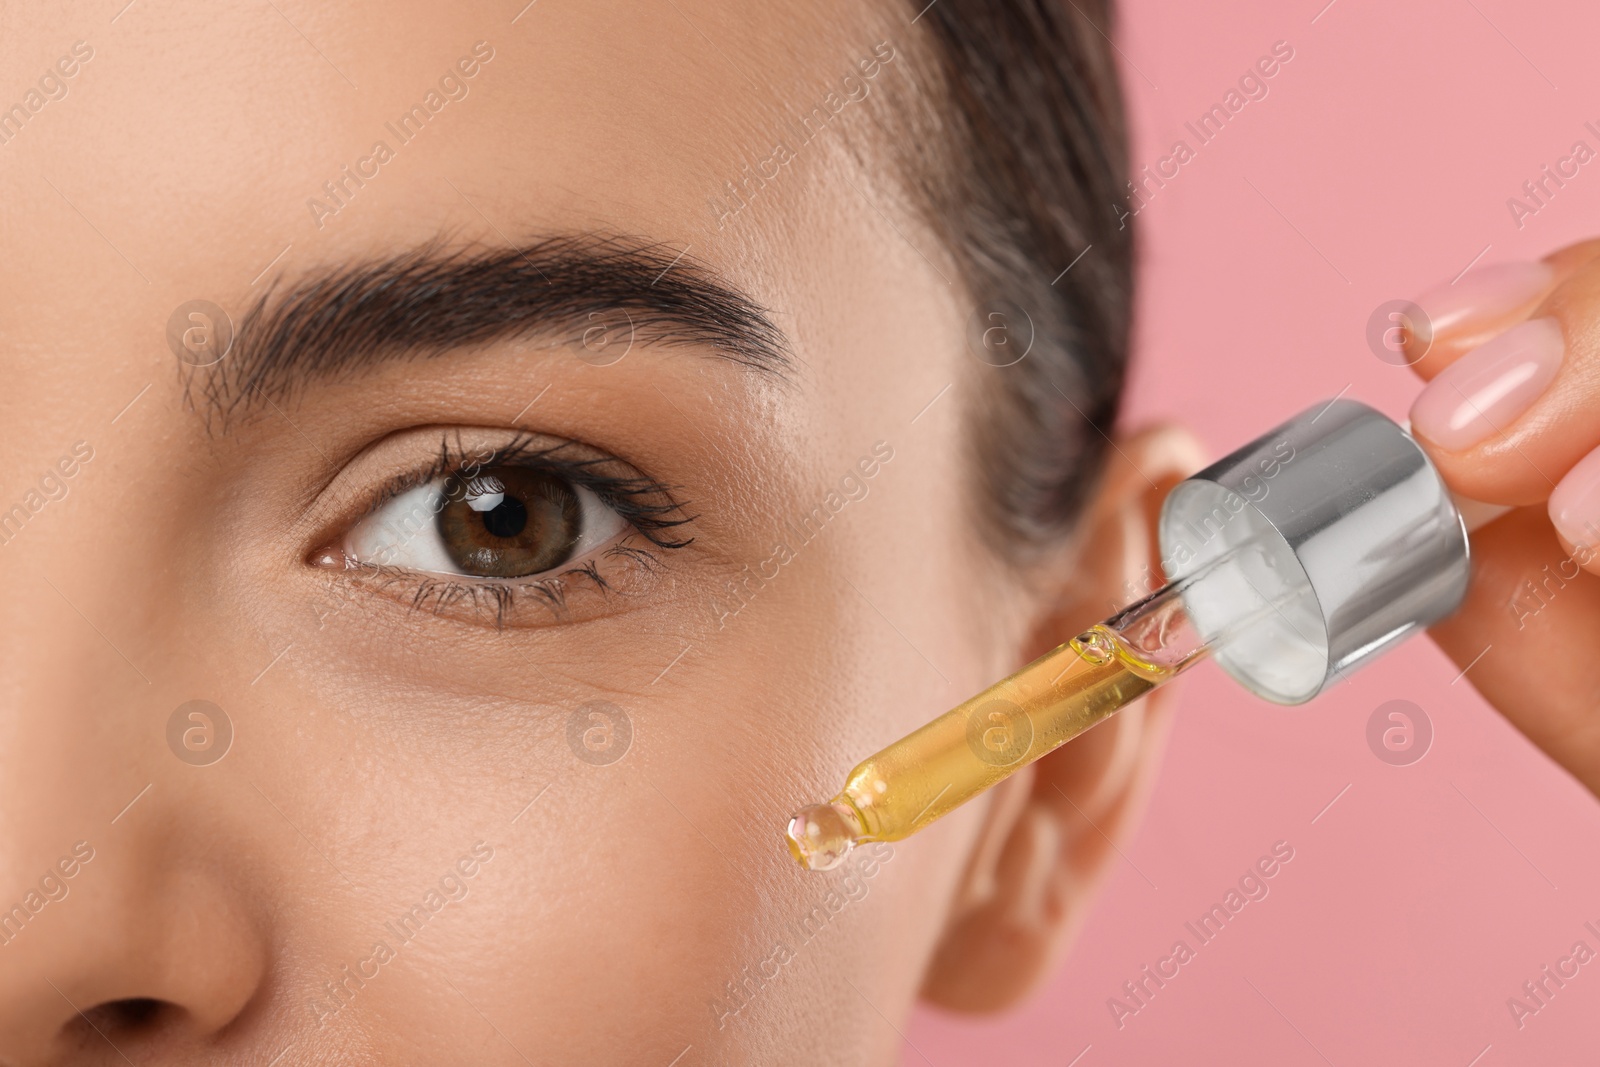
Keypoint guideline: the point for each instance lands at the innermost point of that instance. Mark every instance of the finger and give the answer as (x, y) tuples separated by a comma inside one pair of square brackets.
[(1460, 315), (1525, 638), (1509, 419), (1575, 512)]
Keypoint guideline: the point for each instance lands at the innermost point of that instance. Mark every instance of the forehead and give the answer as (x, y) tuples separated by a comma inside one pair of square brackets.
[(195, 149), (205, 152)]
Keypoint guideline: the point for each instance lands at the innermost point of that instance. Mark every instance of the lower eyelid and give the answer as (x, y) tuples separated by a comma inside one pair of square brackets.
[(575, 592)]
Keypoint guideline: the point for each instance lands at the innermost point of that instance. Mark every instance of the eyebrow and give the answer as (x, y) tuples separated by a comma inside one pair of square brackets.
[(335, 323)]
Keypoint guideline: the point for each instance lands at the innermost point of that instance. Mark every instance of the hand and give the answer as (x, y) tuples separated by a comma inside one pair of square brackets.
[(1511, 415)]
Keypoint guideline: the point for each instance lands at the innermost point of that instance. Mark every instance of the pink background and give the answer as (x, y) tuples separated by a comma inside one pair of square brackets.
[(1425, 897)]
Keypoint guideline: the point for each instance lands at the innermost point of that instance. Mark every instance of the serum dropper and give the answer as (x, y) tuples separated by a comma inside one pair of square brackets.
[(1306, 553)]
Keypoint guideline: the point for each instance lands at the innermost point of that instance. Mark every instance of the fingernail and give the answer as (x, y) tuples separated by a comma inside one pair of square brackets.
[(1575, 504), (1485, 390), (1482, 297)]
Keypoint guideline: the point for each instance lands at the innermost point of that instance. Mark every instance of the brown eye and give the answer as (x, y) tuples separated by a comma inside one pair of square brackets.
[(508, 522)]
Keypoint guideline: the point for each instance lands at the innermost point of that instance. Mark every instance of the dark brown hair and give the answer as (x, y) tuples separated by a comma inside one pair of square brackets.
[(1032, 177)]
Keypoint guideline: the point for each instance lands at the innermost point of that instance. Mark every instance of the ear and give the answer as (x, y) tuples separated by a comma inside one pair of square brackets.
[(1054, 829)]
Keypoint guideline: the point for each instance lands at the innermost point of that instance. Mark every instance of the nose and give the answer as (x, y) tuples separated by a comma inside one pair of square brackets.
[(121, 957), (126, 934)]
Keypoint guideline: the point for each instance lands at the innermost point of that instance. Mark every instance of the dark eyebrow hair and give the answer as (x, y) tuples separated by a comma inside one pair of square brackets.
[(425, 302)]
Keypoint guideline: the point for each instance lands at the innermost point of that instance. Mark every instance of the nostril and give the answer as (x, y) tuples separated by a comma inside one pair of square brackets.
[(128, 1016)]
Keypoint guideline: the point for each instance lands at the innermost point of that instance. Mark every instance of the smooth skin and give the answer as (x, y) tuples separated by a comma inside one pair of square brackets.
[(1533, 654), (381, 752)]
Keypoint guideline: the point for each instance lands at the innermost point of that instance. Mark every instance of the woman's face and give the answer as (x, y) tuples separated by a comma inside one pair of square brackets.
[(457, 818)]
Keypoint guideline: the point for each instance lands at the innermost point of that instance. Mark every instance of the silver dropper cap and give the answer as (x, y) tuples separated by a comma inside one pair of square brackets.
[(1324, 543)]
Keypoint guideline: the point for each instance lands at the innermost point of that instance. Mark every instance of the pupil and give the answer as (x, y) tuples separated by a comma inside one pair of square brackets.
[(507, 518), (509, 521)]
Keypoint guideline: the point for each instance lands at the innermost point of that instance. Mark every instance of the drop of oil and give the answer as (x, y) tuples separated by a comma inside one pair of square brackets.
[(820, 836)]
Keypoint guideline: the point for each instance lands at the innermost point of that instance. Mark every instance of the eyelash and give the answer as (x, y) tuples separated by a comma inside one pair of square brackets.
[(644, 503)]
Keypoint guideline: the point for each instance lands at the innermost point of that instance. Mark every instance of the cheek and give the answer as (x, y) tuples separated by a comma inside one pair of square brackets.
[(671, 859)]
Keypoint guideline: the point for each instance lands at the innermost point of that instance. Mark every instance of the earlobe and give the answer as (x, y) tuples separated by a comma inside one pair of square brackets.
[(1054, 830)]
